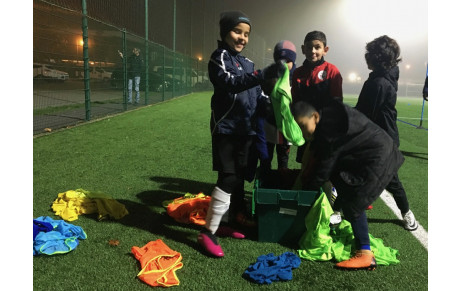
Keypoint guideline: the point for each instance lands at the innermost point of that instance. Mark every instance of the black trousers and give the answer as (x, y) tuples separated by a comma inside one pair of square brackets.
[(396, 188), (230, 158), (282, 153)]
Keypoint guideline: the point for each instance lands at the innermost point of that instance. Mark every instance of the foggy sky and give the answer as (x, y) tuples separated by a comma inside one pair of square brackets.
[(348, 25)]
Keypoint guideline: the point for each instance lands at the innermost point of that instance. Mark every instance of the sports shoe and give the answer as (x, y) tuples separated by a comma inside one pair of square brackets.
[(333, 195), (230, 232), (369, 207), (363, 259), (209, 242), (335, 218), (245, 220), (409, 221)]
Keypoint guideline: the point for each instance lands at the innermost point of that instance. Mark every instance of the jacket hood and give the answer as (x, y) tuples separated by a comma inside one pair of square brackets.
[(392, 75)]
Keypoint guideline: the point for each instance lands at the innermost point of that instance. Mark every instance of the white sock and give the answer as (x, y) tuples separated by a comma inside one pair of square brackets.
[(220, 202)]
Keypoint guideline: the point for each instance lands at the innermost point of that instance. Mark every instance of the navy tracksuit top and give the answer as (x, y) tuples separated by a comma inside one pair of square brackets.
[(236, 92)]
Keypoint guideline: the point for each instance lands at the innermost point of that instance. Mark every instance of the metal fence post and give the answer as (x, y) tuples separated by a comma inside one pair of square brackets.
[(146, 51), (125, 71), (164, 76), (174, 53), (84, 27)]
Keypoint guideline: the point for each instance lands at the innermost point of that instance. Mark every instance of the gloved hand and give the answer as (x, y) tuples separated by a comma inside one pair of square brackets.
[(275, 71), (270, 75), (335, 219)]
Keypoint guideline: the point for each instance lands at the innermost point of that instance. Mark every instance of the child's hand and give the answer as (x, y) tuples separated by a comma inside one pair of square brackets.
[(274, 71), (270, 75), (268, 85)]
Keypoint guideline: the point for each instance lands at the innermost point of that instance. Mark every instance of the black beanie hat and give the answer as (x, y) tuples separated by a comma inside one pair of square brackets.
[(230, 19)]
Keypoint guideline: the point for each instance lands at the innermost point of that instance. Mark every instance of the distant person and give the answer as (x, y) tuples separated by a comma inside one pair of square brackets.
[(425, 89), (358, 157), (316, 80), (377, 101), (283, 51), (233, 113), (135, 64)]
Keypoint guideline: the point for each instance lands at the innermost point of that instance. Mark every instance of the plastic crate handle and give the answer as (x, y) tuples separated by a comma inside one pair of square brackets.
[(281, 198)]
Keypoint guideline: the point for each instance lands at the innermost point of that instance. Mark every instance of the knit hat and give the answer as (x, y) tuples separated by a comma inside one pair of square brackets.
[(230, 19), (284, 50)]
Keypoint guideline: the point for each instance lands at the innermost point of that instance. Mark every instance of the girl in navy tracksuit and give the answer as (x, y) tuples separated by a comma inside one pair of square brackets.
[(233, 116)]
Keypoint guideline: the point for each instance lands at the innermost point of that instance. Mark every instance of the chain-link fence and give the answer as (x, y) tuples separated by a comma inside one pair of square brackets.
[(79, 74)]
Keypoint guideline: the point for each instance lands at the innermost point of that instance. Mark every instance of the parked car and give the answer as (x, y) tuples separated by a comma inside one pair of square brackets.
[(44, 71), (99, 74)]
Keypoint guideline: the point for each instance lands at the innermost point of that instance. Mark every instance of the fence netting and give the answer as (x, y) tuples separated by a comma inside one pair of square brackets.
[(62, 97)]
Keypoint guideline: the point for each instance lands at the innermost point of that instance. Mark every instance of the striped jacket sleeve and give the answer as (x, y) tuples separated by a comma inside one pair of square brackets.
[(223, 73)]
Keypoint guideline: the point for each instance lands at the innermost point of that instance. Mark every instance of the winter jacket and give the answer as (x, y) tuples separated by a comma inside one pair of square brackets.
[(135, 64), (316, 83), (355, 154), (236, 92), (377, 100)]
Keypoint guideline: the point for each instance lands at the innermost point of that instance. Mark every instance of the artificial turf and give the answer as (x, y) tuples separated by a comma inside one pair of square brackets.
[(160, 152)]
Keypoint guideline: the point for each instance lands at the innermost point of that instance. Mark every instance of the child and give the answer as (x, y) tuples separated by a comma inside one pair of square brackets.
[(377, 101), (316, 80), (233, 105), (357, 156), (284, 50)]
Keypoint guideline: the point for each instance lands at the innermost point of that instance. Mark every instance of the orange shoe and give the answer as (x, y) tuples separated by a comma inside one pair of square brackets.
[(363, 259)]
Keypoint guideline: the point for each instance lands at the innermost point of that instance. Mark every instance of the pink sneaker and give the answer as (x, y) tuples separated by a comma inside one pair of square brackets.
[(230, 232), (209, 242)]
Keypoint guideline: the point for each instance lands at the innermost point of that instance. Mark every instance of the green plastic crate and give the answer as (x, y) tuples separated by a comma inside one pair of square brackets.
[(281, 213)]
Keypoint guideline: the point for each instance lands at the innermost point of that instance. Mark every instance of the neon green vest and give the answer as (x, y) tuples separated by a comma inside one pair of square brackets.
[(281, 99), (320, 243)]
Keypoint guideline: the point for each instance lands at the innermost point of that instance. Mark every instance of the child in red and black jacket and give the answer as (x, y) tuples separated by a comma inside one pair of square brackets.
[(316, 81), (377, 101)]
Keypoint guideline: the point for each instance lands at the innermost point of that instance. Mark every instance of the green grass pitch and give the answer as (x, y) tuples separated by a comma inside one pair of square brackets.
[(160, 152)]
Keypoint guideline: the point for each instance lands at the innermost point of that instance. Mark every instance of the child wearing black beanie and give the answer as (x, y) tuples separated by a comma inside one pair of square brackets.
[(233, 111), (230, 19)]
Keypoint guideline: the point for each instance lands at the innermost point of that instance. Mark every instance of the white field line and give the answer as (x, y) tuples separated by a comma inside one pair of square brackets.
[(420, 233)]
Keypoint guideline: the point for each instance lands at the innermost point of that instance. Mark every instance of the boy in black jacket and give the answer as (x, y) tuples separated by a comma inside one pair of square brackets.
[(357, 156), (377, 101)]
